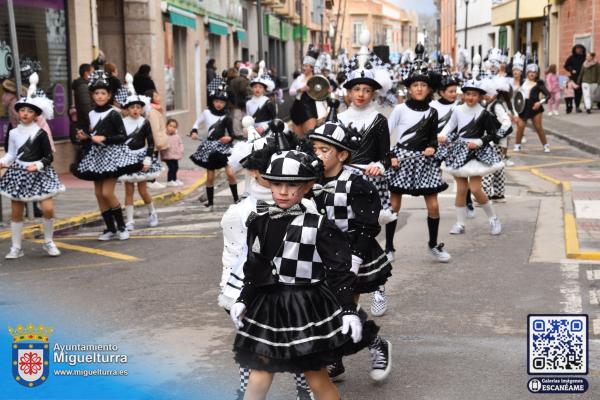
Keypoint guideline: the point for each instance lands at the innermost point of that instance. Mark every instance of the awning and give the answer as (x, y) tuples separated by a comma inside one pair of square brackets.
[(180, 17), (217, 28), (241, 34)]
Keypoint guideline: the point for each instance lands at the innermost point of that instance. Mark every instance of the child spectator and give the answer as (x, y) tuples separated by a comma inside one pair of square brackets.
[(569, 92), (173, 153), (554, 89)]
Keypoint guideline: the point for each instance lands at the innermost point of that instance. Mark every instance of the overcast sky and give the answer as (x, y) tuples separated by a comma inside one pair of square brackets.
[(422, 6)]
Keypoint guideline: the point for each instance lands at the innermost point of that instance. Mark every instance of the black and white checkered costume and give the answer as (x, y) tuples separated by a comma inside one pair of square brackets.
[(212, 154), (444, 109), (121, 95), (111, 158), (29, 145), (352, 204), (141, 142), (415, 124), (289, 260), (214, 84), (494, 184), (353, 64), (471, 124)]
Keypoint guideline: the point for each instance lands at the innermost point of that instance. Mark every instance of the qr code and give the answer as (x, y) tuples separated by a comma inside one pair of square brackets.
[(557, 344)]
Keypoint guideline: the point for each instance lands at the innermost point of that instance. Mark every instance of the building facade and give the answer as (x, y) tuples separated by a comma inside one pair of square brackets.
[(578, 24), (447, 26), (474, 23)]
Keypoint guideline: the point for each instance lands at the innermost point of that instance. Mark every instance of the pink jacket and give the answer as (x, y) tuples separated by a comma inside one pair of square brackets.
[(570, 87), (175, 150), (552, 83)]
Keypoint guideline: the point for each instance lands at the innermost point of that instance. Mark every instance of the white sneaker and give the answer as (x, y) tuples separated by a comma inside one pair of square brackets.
[(207, 208), (549, 113), (439, 253), (471, 213), (14, 253), (457, 229), (518, 147), (179, 183), (156, 185), (391, 255), (51, 249), (524, 140), (153, 219), (106, 236), (509, 163), (130, 225), (123, 235), (546, 148), (378, 303), (555, 112), (172, 183), (496, 226)]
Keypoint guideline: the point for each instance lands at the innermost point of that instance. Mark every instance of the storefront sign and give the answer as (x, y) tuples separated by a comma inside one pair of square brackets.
[(272, 26)]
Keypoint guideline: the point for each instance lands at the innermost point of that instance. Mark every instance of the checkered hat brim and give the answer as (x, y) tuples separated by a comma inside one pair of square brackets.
[(333, 133), (289, 166)]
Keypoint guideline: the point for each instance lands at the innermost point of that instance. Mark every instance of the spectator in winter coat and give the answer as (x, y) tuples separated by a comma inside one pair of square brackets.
[(573, 66), (81, 94), (554, 88), (589, 78), (142, 82)]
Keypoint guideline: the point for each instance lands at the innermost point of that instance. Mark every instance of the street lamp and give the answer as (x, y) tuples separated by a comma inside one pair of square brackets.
[(466, 20)]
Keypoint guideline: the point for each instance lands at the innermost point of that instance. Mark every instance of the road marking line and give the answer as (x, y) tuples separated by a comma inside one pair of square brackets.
[(171, 236), (554, 164), (593, 297), (570, 288), (91, 250), (51, 269), (546, 156), (596, 325), (593, 274)]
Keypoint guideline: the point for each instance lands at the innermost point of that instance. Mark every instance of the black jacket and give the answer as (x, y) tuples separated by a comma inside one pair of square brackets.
[(375, 143), (140, 137), (37, 149), (142, 84), (111, 127), (83, 102), (575, 61)]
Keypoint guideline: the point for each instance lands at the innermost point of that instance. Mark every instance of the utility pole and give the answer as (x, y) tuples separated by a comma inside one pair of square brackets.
[(466, 20), (259, 21), (301, 31), (517, 30)]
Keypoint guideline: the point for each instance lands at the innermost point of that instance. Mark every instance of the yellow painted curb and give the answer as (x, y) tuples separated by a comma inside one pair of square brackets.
[(78, 220), (537, 172), (571, 241)]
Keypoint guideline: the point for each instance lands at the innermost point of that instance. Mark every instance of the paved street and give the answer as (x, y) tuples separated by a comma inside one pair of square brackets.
[(458, 330)]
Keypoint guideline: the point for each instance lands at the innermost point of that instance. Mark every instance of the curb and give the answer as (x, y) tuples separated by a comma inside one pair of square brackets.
[(575, 142), (570, 226), (92, 216)]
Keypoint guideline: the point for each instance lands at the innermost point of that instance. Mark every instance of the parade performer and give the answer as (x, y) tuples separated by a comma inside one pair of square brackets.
[(30, 175), (304, 109), (352, 203), (140, 140), (295, 312), (500, 106), (235, 231), (213, 153), (260, 107), (106, 156), (415, 169), (366, 74), (469, 132), (531, 89)]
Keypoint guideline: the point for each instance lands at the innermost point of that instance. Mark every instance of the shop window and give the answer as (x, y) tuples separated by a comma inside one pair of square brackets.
[(175, 67), (43, 45)]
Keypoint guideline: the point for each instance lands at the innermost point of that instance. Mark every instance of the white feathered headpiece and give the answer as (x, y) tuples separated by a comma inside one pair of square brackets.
[(35, 100)]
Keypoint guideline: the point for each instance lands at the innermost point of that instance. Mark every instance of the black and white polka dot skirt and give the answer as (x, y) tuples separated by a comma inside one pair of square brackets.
[(211, 154), (21, 185), (106, 161), (156, 168), (416, 176), (462, 162)]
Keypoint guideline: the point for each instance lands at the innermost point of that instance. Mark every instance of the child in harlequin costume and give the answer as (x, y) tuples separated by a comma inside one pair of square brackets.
[(213, 153), (235, 231), (470, 132), (106, 156), (352, 203), (141, 142), (415, 169), (366, 74), (500, 106), (296, 312), (30, 176)]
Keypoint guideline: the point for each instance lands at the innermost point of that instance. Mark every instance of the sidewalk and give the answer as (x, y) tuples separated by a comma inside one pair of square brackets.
[(77, 205), (580, 185), (581, 130)]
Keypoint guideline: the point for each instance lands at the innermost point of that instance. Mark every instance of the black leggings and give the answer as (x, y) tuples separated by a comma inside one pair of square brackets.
[(173, 166)]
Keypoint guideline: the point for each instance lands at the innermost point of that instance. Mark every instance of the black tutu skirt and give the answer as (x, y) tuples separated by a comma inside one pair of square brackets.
[(374, 271), (21, 185), (304, 109), (528, 111), (106, 161), (211, 154), (156, 168), (295, 328), (417, 176)]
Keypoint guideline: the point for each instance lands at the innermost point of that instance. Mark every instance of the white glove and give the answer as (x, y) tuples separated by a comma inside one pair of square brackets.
[(236, 314), (478, 142), (350, 322), (378, 165), (356, 263)]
